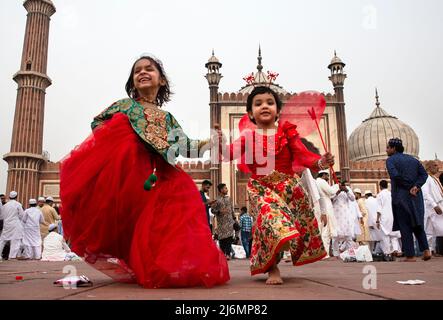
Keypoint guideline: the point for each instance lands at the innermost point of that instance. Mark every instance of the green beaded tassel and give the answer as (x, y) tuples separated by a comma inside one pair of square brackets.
[(150, 183)]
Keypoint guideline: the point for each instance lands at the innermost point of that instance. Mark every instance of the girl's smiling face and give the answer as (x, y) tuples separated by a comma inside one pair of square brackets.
[(264, 110), (147, 76)]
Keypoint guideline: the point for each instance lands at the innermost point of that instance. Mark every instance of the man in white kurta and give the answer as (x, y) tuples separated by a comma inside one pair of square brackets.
[(32, 239), (385, 219), (433, 198), (12, 214), (357, 219), (55, 247), (372, 205), (326, 192), (344, 215)]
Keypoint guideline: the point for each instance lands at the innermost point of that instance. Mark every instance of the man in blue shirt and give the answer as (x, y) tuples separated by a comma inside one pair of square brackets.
[(407, 177), (246, 227)]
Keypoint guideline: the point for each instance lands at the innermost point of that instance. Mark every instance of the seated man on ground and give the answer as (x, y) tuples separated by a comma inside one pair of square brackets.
[(55, 247)]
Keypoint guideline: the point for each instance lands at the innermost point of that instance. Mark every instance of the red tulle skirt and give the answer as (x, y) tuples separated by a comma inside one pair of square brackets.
[(158, 238)]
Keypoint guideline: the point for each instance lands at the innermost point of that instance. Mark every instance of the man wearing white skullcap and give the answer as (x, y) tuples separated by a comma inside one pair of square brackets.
[(54, 246), (389, 240), (372, 205), (12, 214), (32, 239), (41, 202), (50, 216)]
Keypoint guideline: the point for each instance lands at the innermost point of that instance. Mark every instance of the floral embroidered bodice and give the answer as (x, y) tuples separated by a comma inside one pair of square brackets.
[(261, 154), (156, 127)]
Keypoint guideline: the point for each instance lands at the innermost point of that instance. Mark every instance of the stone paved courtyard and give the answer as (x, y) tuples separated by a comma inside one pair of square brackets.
[(323, 280)]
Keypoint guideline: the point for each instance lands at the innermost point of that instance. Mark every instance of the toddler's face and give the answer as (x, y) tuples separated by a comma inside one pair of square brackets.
[(264, 109)]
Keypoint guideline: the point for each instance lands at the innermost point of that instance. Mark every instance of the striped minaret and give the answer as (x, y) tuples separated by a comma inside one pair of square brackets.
[(25, 158)]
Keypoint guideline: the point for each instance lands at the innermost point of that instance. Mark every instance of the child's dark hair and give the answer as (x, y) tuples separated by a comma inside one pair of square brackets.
[(244, 209), (163, 93), (261, 90)]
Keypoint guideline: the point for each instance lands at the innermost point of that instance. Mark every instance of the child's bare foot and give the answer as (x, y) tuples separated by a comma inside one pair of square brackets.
[(274, 276)]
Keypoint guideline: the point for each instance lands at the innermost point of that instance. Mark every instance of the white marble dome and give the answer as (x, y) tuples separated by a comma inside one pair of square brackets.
[(368, 141)]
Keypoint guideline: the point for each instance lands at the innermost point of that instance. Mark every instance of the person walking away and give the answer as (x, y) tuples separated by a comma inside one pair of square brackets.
[(389, 242), (12, 215), (32, 239), (224, 212), (328, 230), (246, 228), (371, 205), (407, 178)]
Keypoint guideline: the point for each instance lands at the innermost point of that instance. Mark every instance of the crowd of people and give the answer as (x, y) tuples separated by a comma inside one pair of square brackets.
[(147, 223), (32, 234), (347, 218)]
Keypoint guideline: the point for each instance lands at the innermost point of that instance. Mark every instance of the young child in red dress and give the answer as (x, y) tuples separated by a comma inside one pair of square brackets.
[(113, 214), (284, 219)]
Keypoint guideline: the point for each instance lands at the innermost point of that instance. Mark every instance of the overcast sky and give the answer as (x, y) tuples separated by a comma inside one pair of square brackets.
[(395, 46)]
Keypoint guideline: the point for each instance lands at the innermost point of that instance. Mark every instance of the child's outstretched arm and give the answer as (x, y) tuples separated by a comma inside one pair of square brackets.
[(181, 144), (228, 152), (303, 158)]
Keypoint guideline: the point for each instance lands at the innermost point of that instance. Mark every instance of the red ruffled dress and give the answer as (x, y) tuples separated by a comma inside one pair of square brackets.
[(283, 216), (158, 238)]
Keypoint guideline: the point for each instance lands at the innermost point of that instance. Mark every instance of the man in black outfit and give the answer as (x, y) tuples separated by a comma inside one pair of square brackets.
[(206, 185)]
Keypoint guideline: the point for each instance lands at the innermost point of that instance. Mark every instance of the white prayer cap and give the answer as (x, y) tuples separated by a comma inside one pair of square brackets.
[(357, 190), (32, 201), (52, 226), (41, 199), (368, 192), (13, 194), (323, 171), (50, 199)]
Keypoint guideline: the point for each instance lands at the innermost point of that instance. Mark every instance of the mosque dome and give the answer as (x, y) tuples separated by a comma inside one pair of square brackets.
[(368, 141)]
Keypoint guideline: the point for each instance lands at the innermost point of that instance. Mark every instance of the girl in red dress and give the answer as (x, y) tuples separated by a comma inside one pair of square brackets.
[(284, 218), (127, 208)]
